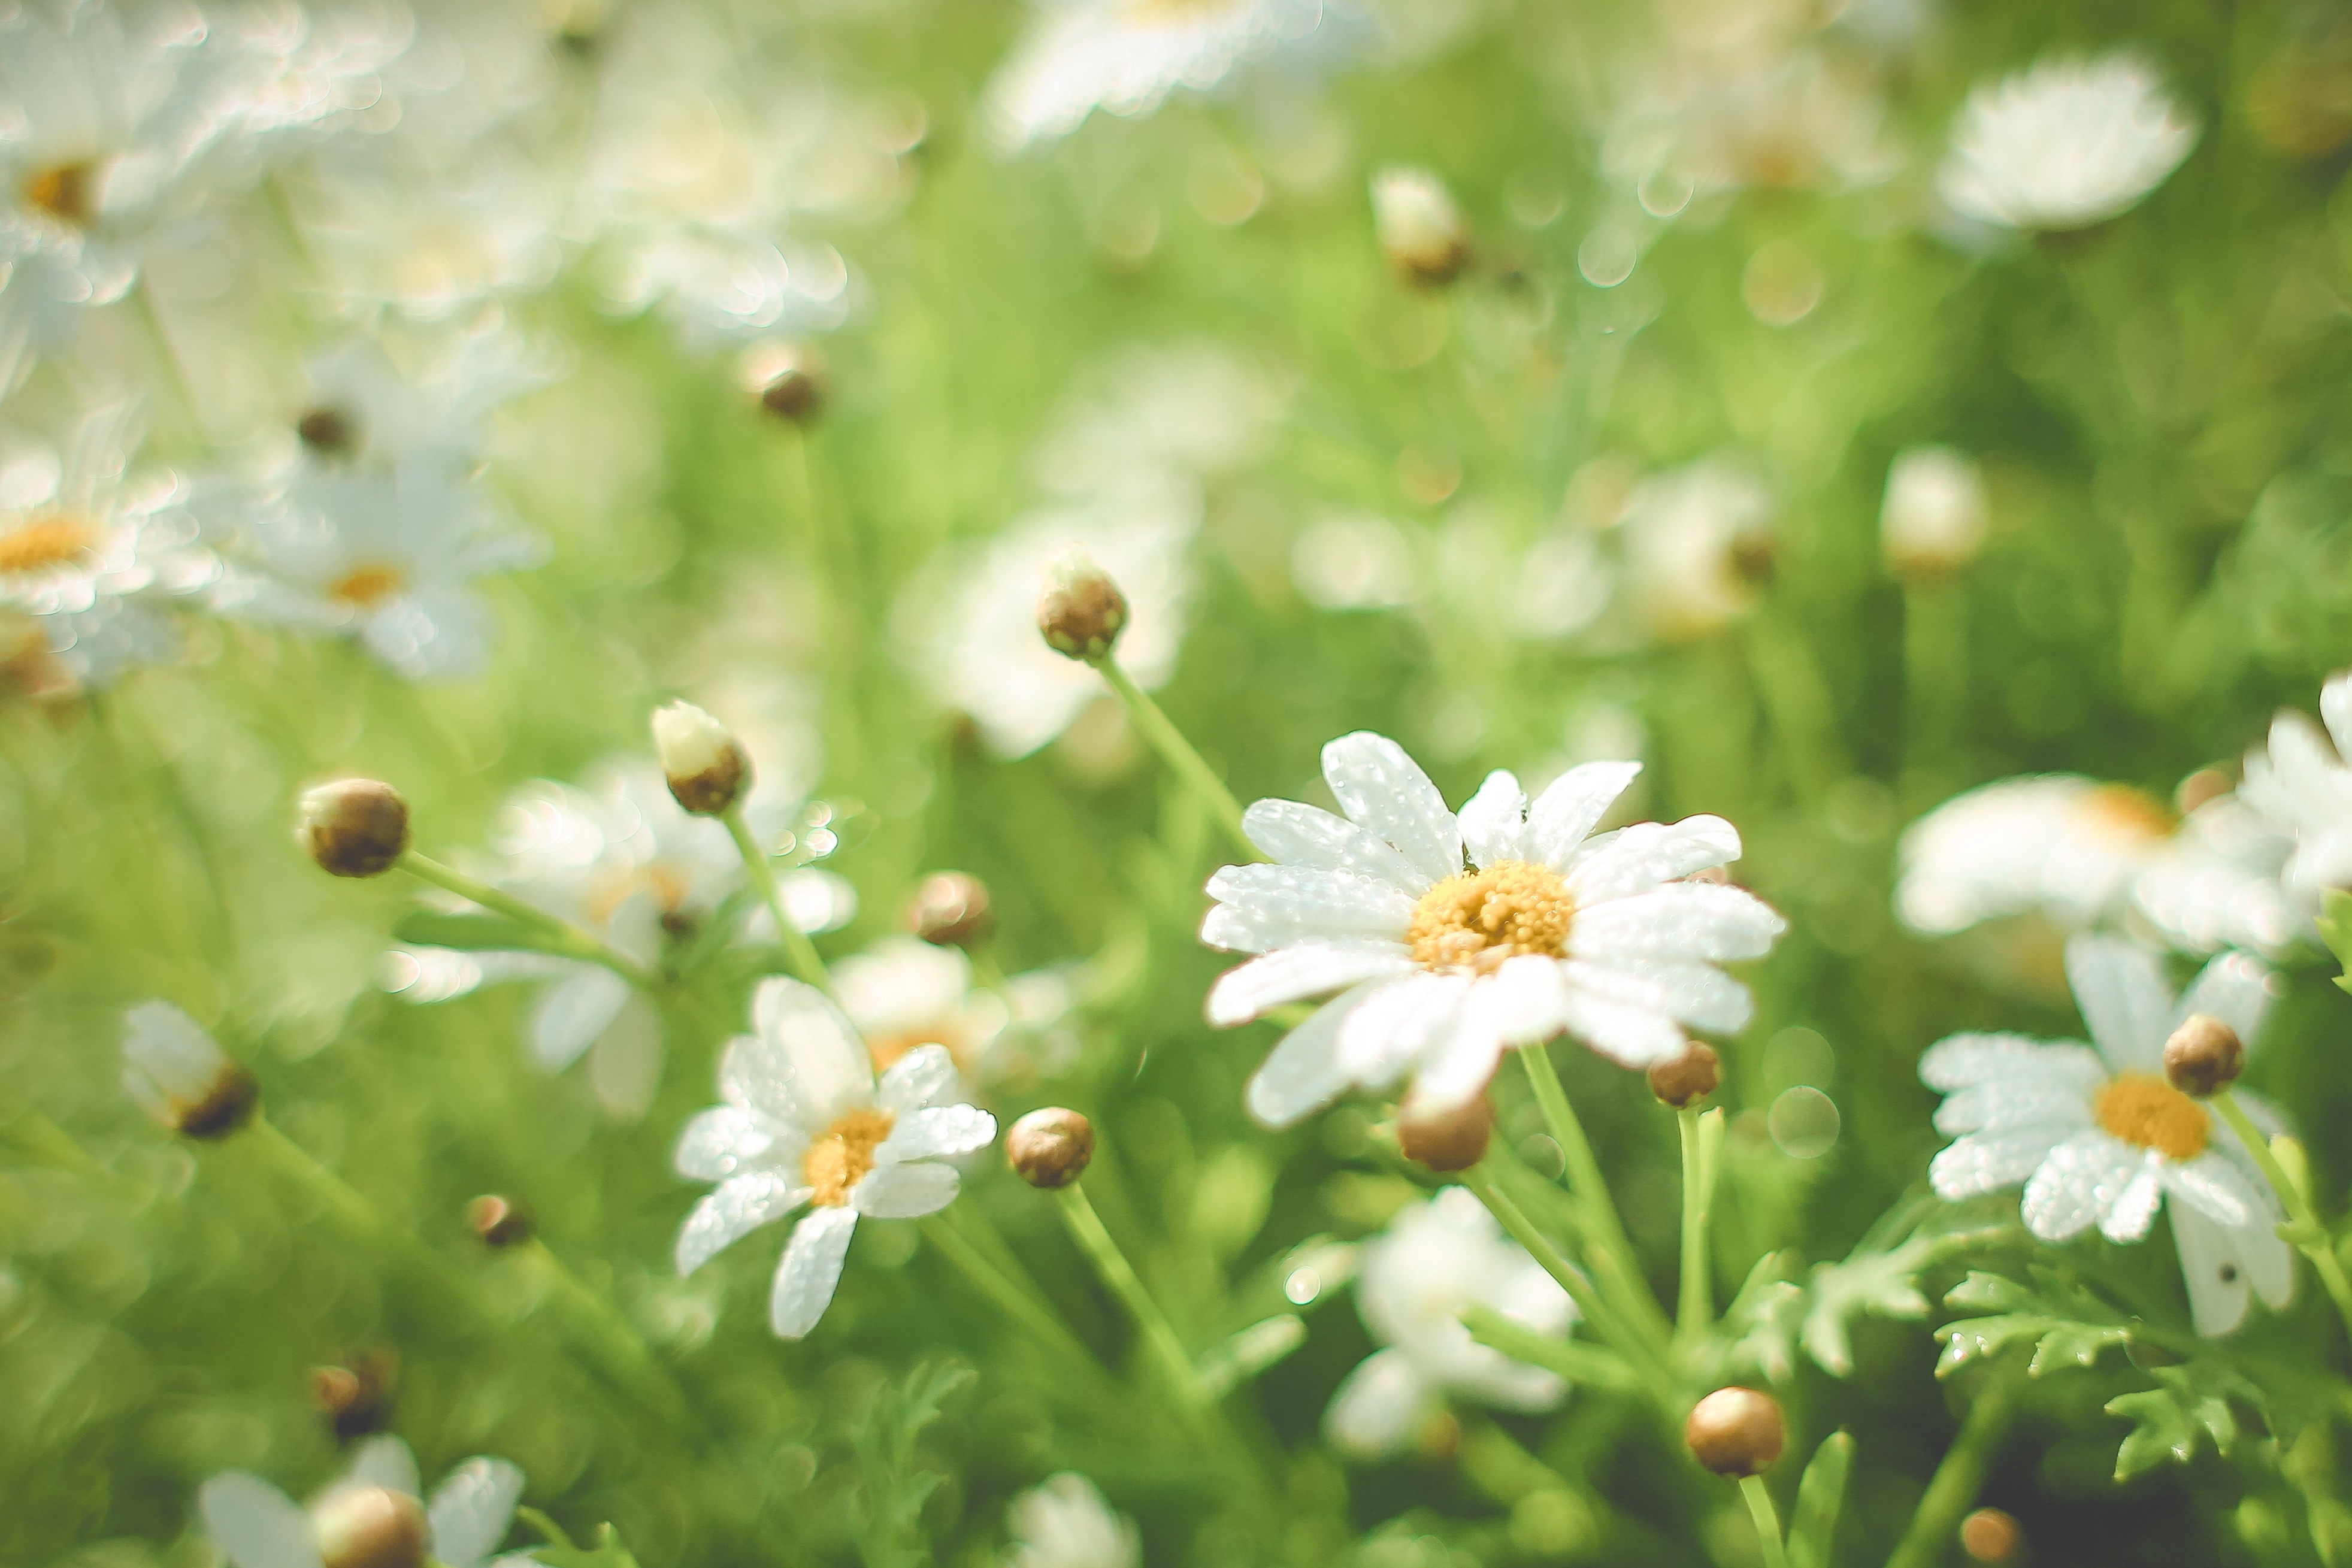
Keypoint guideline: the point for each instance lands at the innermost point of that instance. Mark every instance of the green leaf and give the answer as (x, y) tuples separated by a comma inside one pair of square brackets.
[(1251, 1352), (472, 933), (1972, 1340), (2189, 1399), (2074, 1344), (1571, 1359), (2069, 1326), (560, 1552), (1820, 1496), (884, 1509), (2336, 930)]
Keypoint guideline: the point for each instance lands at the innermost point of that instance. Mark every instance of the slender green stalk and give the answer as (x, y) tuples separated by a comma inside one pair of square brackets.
[(1701, 1138), (610, 1339), (1616, 1268), (1178, 754), (1086, 1229), (569, 938), (799, 951), (2302, 1227), (1767, 1521), (1579, 1363), (1952, 1491), (352, 1210), (1796, 701), (998, 1287)]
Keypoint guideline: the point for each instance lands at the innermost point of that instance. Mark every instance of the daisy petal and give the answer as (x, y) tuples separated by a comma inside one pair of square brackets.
[(2235, 988), (254, 1524), (2064, 1197), (733, 1209), (572, 1012), (1649, 853), (2131, 1211), (1567, 810), (1695, 994), (1298, 835), (904, 1192), (2123, 998), (915, 1079), (1680, 919), (1400, 1023), (804, 1064), (2336, 710), (1495, 821), (1385, 792), (2019, 1102), (810, 1270), (386, 1462), (1303, 1072), (1630, 1036), (1960, 1061), (1985, 1162), (937, 1132), (2219, 1288), (470, 1512), (2213, 1186), (1264, 907), (1380, 1406), (724, 1139), (1307, 969)]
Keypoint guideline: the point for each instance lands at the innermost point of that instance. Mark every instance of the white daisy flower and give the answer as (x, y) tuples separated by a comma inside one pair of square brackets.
[(1696, 541), (2065, 143), (1436, 1260), (1934, 515), (1176, 412), (902, 993), (2100, 1137), (2301, 782), (807, 1122), (2216, 884), (1064, 1523), (1450, 939), (373, 1515), (355, 408), (179, 1075), (1728, 106), (2063, 844), (1127, 55)]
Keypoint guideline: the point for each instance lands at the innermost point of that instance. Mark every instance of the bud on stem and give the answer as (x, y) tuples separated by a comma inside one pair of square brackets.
[(707, 770), (180, 1076), (1735, 1432), (1447, 1140), (951, 909), (1692, 1075), (1050, 1147), (353, 828), (1081, 611), (2203, 1057)]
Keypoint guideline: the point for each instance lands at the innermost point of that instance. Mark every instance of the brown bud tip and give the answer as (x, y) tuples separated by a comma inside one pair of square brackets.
[(1692, 1075), (327, 430), (226, 1107), (796, 395), (1989, 1535), (498, 1221), (357, 1399), (1735, 1432), (1050, 1148), (353, 828), (370, 1527), (1451, 1140), (1081, 611), (951, 909), (700, 759), (2204, 1055)]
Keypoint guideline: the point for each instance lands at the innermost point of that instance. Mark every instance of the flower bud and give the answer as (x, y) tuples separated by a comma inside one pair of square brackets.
[(1050, 1148), (795, 395), (1692, 1075), (180, 1077), (707, 769), (2204, 1055), (1419, 228), (1989, 1535), (1735, 1432), (370, 1527), (1933, 518), (1447, 1140), (499, 1221), (1081, 611), (951, 909), (356, 1399), (327, 430), (353, 828)]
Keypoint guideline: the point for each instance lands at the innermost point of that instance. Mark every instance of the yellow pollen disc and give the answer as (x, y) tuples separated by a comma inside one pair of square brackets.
[(62, 191), (2131, 815), (2149, 1113), (365, 588), (52, 541), (1479, 919), (843, 1154)]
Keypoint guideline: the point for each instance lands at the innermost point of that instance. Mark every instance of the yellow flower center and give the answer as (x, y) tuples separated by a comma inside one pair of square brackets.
[(365, 588), (1479, 919), (843, 1154), (52, 541), (2133, 815), (2149, 1113), (63, 191)]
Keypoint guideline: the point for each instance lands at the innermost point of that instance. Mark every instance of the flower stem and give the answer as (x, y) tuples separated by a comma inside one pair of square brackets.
[(1960, 1477), (1767, 1521), (610, 1341), (799, 951), (1110, 1263), (1179, 753), (569, 938), (1614, 1265), (2302, 1227), (1702, 1139), (998, 1287), (352, 1210)]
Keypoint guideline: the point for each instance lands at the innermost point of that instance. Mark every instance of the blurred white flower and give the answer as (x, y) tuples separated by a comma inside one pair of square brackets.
[(1173, 414), (1418, 227), (2216, 883), (1451, 939), (1934, 516), (2067, 845), (375, 1506), (902, 993), (1697, 541), (807, 1122), (2101, 1137), (1436, 1260), (179, 1075), (1350, 562), (1063, 1522), (357, 409), (2065, 143)]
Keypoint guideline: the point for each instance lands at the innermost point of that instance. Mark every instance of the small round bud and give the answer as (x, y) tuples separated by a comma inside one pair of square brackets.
[(327, 430), (353, 828), (1447, 1140), (1989, 1535), (1692, 1075), (951, 909), (796, 395), (356, 1399), (1050, 1148), (1081, 611), (499, 1221), (370, 1527), (227, 1108), (1418, 227), (2204, 1055), (707, 769), (1735, 1432)]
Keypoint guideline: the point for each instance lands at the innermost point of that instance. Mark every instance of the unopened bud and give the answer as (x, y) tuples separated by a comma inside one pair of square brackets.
[(180, 1076), (2204, 1055), (1735, 1432), (796, 395), (1081, 611), (951, 909), (1446, 1141), (356, 1399), (353, 828), (1051, 1147), (1933, 518), (1692, 1075), (370, 1527), (706, 767), (1419, 228), (499, 1221), (327, 430), (1989, 1535)]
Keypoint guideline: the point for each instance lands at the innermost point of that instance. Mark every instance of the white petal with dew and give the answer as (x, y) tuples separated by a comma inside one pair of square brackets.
[(810, 1270), (1385, 792), (1379, 1407), (470, 1512), (2082, 1175), (2211, 1185), (2129, 1213), (830, 1071), (1495, 821), (736, 1207), (1567, 810), (254, 1524), (1401, 1022), (915, 1079), (1680, 919), (2123, 999), (1307, 969), (1985, 1162), (1698, 994), (725, 1139), (1298, 834), (2219, 1285), (1649, 853), (937, 1132), (1960, 1061), (1267, 906), (1630, 1036), (904, 1192), (1304, 1071)]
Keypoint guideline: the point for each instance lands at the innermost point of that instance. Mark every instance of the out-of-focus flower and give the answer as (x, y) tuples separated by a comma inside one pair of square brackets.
[(1436, 1260), (1697, 541), (2065, 143), (180, 1076), (371, 1518), (2067, 845), (1160, 414), (356, 410), (1450, 939), (2100, 1137), (902, 993), (1420, 228), (1063, 1522), (2217, 883), (1933, 518), (807, 1122), (2301, 782)]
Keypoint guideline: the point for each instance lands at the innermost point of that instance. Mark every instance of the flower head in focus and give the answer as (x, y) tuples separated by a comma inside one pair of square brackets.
[(807, 1124), (2065, 143), (1450, 938), (375, 1517), (1064, 1523), (2100, 1137), (1436, 1258)]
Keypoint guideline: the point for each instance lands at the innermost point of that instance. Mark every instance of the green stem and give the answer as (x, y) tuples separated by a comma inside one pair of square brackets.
[(354, 1211), (1701, 1138), (1579, 1363), (1960, 1477), (1767, 1522), (998, 1287), (2302, 1227), (610, 1340), (1110, 1263), (1177, 752), (799, 951), (569, 939), (1615, 1266)]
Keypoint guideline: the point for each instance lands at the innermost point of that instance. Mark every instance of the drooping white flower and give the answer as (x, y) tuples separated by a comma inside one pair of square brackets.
[(1064, 1523), (2099, 1137), (1450, 939), (807, 1122), (2065, 143), (179, 1075), (258, 1526), (2301, 782), (1697, 541), (1933, 518), (1436, 1260)]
